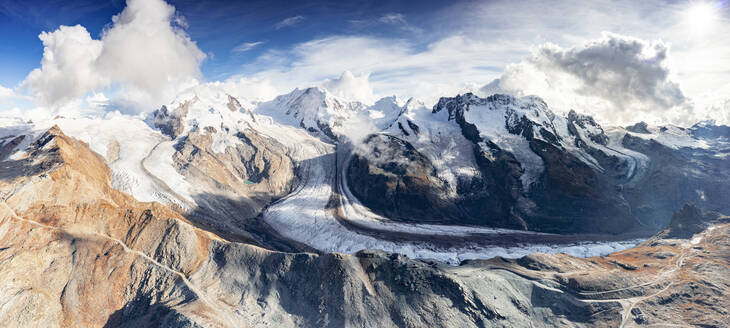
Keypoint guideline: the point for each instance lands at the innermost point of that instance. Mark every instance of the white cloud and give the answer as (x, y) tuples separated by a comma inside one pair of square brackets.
[(615, 78), (144, 53), (252, 89), (621, 69), (98, 100), (144, 57), (291, 21), (698, 62), (396, 66), (68, 68), (145, 50), (351, 87), (5, 93), (393, 18), (718, 112), (246, 46)]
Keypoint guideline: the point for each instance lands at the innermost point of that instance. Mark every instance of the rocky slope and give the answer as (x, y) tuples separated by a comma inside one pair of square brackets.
[(233, 170), (511, 162), (76, 252), (401, 183)]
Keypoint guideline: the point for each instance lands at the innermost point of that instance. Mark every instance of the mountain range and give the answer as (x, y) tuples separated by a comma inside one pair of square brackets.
[(313, 210)]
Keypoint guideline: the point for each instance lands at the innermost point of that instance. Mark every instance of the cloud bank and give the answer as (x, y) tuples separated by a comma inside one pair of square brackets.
[(614, 78), (145, 57), (144, 53)]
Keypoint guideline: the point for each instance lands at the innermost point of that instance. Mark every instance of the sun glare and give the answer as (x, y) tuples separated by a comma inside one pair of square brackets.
[(701, 16)]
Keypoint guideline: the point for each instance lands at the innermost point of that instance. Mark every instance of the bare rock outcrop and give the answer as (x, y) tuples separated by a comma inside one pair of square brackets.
[(238, 181)]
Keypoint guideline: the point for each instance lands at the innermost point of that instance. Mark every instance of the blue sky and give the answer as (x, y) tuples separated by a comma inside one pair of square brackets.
[(618, 60), (217, 26), (22, 21)]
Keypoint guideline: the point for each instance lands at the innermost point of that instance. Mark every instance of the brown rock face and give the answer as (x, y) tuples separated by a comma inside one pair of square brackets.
[(237, 183), (76, 253), (71, 243), (112, 152)]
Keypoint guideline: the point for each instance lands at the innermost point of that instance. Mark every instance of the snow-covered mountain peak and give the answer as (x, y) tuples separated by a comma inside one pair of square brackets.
[(413, 103), (391, 101), (586, 127), (205, 109), (458, 104), (322, 113), (314, 99), (314, 109), (530, 106), (676, 137), (386, 111), (527, 116)]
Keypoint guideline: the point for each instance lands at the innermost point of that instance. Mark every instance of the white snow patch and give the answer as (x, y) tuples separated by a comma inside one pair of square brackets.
[(439, 140), (673, 137)]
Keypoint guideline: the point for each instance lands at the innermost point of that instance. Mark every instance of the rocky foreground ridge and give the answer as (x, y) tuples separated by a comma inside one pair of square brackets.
[(76, 252)]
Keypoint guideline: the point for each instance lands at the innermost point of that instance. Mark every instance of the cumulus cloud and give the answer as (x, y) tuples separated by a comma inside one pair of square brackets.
[(291, 21), (145, 53), (246, 46), (616, 78), (351, 87), (623, 70), (68, 68), (145, 49)]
